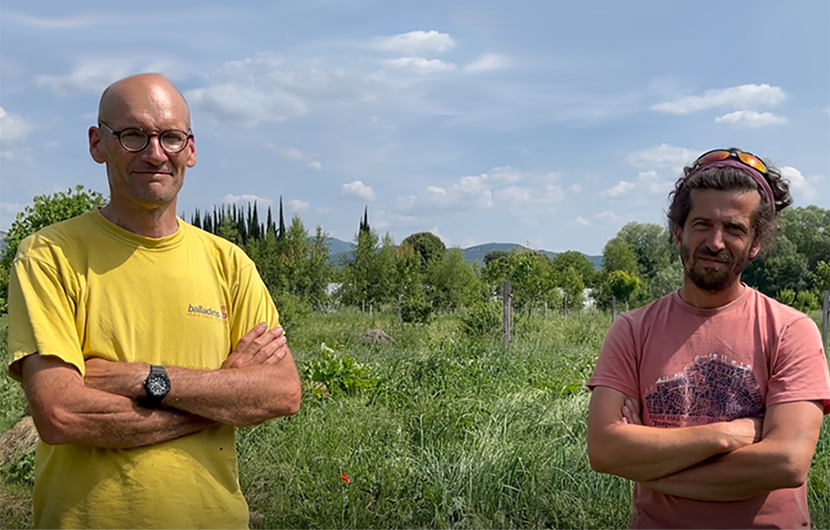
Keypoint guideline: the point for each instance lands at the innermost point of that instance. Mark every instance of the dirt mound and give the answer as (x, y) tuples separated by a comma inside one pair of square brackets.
[(18, 440), (375, 337)]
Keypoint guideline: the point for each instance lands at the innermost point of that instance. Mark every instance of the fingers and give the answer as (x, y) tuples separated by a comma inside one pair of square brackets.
[(267, 350), (246, 341), (631, 413)]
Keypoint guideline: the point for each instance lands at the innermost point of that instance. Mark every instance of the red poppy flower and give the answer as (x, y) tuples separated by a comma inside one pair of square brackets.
[(345, 479)]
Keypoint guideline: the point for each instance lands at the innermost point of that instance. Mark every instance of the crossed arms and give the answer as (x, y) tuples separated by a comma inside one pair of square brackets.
[(724, 461), (257, 382)]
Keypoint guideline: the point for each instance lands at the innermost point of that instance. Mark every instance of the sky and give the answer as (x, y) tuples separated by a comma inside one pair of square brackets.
[(547, 124)]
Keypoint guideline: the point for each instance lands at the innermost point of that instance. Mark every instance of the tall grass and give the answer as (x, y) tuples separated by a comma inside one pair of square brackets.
[(458, 434)]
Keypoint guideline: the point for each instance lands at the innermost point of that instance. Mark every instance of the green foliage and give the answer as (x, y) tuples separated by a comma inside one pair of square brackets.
[(652, 246), (340, 373), (806, 301), (821, 277), (780, 267), (622, 285), (786, 297), (482, 319), (427, 245), (619, 255), (292, 309), (22, 470), (48, 210), (576, 260)]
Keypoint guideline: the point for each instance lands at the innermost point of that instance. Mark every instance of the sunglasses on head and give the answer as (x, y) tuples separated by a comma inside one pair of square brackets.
[(717, 155)]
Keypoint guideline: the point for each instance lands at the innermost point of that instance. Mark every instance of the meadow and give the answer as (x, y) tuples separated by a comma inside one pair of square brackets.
[(438, 430)]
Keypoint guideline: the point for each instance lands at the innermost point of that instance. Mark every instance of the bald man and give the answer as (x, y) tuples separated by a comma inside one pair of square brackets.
[(142, 342)]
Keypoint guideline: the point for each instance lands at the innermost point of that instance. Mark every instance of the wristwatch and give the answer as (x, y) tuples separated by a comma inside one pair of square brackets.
[(157, 385)]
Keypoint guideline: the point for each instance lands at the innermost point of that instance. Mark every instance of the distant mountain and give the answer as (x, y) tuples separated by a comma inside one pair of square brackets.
[(340, 249)]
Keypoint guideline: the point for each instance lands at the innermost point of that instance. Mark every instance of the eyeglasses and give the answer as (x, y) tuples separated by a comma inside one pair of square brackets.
[(135, 140), (717, 155)]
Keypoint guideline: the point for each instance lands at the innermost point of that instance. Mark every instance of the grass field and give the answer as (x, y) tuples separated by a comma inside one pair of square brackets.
[(456, 434)]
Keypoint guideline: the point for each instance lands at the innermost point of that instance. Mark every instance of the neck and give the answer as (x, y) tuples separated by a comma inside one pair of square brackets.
[(150, 223), (697, 297)]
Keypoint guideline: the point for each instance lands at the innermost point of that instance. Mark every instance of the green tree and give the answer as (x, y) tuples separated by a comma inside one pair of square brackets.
[(456, 283), (622, 285), (570, 281), (46, 210), (781, 267), (808, 228), (428, 246), (577, 261), (821, 277), (651, 245), (619, 255)]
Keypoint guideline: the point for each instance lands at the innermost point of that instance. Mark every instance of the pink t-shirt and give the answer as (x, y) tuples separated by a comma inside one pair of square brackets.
[(691, 366)]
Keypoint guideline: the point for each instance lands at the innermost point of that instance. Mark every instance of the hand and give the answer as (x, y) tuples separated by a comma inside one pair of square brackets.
[(745, 431), (258, 347), (631, 412)]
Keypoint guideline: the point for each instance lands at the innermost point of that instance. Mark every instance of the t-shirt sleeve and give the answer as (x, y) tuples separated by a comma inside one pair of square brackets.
[(41, 315), (617, 363), (799, 371), (252, 304)]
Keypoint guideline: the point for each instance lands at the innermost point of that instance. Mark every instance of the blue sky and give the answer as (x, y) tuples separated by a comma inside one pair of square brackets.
[(543, 123)]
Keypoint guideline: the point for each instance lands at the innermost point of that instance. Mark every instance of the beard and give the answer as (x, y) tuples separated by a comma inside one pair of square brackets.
[(711, 279)]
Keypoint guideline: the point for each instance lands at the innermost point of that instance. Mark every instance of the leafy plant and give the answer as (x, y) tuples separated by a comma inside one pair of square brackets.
[(340, 373)]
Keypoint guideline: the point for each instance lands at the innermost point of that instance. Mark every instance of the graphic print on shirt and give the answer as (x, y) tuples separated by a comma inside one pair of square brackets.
[(708, 390)]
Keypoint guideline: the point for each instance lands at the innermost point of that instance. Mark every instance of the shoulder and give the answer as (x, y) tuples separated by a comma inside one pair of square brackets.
[(56, 241), (228, 254), (779, 316)]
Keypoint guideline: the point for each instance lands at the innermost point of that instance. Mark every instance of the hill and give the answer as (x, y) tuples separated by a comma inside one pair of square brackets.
[(341, 249)]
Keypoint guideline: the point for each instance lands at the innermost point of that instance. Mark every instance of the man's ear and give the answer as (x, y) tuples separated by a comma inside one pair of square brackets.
[(191, 158), (754, 251), (96, 145), (678, 236)]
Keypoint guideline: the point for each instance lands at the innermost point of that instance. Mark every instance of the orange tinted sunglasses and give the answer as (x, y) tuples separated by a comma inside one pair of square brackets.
[(717, 155)]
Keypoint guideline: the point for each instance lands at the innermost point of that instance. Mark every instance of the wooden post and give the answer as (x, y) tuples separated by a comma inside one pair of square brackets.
[(400, 303), (546, 309), (613, 308), (507, 316), (825, 315)]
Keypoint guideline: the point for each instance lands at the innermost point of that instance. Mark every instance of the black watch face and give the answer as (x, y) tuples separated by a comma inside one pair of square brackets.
[(157, 385)]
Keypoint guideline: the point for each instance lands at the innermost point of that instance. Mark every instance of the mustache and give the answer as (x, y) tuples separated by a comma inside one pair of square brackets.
[(723, 255)]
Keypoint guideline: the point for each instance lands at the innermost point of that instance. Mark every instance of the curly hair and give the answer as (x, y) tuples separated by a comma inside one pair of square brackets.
[(764, 220)]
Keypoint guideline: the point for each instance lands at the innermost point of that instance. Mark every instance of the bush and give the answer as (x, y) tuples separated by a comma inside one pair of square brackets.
[(340, 373), (416, 311), (786, 297), (806, 301), (292, 309), (483, 319)]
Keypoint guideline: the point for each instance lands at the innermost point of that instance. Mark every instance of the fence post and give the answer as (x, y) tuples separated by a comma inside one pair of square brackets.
[(400, 302), (507, 317), (613, 308), (825, 315)]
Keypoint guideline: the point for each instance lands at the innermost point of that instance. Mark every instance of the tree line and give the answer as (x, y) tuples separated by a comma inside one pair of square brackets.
[(422, 276)]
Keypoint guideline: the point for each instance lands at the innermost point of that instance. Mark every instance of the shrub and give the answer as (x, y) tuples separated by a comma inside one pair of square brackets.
[(340, 373)]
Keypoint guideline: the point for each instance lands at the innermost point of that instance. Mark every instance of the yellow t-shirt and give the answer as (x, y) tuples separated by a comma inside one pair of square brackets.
[(86, 287)]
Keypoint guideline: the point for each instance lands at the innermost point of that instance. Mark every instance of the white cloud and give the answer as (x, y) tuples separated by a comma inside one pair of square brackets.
[(13, 127), (297, 206), (292, 153), (419, 65), (750, 119), (315, 165), (803, 189), (94, 75), (416, 43), (358, 190), (245, 199), (739, 96), (245, 106), (487, 63), (618, 190), (579, 221), (531, 200), (663, 156), (575, 188), (609, 217)]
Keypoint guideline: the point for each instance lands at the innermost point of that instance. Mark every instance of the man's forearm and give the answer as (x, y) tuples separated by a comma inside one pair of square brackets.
[(240, 397), (105, 420), (641, 453), (742, 474)]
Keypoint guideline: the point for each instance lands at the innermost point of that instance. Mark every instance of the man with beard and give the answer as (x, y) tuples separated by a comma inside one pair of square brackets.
[(711, 399)]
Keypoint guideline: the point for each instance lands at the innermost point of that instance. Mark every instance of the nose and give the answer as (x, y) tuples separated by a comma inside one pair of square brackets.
[(715, 240), (153, 153)]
